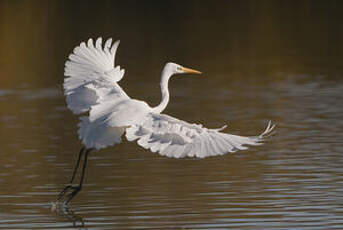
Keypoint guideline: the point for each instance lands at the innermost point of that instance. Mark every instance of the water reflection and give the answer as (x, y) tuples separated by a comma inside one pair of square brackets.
[(70, 216)]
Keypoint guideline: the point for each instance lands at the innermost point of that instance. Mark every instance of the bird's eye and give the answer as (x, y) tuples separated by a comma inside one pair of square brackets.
[(179, 68)]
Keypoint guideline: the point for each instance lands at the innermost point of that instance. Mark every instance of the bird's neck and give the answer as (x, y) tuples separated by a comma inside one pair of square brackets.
[(165, 92)]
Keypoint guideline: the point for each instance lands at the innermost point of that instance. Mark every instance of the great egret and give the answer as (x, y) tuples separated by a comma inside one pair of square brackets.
[(91, 86)]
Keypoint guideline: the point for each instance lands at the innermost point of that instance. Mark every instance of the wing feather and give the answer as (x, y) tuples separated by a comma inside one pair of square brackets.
[(107, 44), (175, 138), (91, 76)]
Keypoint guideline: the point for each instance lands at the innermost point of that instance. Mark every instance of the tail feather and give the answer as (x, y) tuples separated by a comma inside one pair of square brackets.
[(98, 134)]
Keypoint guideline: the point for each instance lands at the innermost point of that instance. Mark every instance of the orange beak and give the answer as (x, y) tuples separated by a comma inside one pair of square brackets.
[(188, 70)]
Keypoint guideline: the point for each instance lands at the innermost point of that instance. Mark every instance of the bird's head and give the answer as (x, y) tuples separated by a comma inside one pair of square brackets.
[(174, 68)]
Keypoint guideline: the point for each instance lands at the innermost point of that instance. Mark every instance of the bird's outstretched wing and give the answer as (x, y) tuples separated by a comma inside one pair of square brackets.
[(91, 75), (175, 138)]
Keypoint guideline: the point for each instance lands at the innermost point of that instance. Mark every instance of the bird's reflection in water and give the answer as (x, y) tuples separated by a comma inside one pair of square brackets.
[(67, 213)]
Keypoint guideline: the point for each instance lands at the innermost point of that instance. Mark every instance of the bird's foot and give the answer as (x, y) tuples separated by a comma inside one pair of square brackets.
[(67, 193)]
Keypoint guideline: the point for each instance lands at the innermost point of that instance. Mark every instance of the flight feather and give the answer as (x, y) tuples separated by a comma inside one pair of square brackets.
[(91, 75), (176, 138)]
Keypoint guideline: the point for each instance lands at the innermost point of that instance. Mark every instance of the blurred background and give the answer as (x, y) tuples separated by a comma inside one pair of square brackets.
[(230, 37), (261, 60)]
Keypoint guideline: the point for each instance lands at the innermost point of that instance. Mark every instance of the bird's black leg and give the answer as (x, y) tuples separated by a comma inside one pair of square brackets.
[(79, 187), (77, 164), (73, 176)]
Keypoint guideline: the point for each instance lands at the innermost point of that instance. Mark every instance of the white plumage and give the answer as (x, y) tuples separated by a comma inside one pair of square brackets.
[(91, 86), (91, 77), (175, 138)]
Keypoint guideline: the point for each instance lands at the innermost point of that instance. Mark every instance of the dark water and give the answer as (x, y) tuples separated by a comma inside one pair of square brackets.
[(262, 60)]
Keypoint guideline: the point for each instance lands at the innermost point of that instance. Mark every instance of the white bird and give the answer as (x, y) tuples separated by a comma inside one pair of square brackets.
[(91, 86)]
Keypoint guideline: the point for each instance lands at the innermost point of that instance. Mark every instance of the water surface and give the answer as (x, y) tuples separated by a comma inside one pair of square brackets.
[(255, 69)]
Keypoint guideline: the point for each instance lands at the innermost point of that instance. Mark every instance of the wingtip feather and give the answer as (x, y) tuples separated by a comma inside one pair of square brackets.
[(90, 42), (108, 43), (268, 131), (98, 43)]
